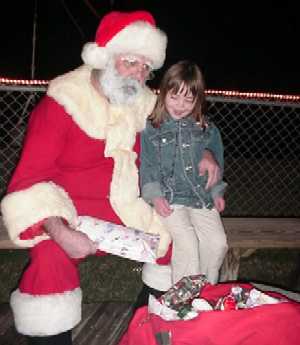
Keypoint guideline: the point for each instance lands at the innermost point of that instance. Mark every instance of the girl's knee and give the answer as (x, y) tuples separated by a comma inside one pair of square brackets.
[(220, 249)]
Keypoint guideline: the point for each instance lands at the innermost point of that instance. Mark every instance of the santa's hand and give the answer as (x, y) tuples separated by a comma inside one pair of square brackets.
[(208, 164), (219, 203), (75, 243)]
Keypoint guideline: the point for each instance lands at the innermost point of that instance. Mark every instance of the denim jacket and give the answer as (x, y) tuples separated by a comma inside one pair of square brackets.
[(169, 162)]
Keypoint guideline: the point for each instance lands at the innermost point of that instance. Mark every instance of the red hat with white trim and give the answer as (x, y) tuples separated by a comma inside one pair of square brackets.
[(128, 33)]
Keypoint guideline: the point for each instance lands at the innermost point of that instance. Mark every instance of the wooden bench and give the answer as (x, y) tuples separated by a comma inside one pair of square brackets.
[(5, 242), (102, 323), (245, 236)]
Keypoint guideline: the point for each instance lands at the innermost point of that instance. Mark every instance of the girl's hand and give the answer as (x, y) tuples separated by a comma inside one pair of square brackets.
[(219, 203), (162, 207)]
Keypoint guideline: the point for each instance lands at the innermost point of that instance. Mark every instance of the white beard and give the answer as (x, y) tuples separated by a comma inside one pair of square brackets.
[(119, 90)]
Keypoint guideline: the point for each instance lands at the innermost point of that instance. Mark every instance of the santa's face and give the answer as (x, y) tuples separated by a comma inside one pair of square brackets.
[(124, 78), (133, 66)]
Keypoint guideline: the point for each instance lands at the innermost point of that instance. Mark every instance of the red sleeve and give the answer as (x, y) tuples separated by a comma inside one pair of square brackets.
[(35, 230), (137, 149), (32, 194), (165, 260), (44, 141)]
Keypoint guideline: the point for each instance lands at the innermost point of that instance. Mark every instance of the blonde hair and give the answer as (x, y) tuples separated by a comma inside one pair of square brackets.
[(187, 73)]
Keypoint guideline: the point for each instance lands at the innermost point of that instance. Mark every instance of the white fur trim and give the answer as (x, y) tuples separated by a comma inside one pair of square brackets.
[(132, 209), (94, 56), (137, 38), (76, 94), (92, 113), (118, 125), (44, 315), (27, 207)]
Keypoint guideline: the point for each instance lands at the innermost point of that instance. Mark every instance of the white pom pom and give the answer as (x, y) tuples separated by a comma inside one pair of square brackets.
[(94, 56)]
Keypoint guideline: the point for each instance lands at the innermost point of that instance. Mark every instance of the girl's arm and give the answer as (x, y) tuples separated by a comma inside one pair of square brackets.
[(215, 145), (149, 170)]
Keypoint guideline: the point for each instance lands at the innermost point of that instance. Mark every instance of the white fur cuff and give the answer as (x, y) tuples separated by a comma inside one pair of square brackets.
[(27, 207), (44, 315)]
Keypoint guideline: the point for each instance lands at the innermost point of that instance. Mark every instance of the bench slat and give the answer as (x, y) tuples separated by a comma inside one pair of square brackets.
[(5, 242), (263, 232), (241, 233)]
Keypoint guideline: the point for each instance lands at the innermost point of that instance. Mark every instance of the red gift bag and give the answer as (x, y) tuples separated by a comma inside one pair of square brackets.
[(277, 324)]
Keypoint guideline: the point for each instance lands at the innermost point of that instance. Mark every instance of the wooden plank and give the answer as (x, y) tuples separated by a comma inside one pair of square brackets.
[(88, 311), (102, 323), (6, 319), (8, 333), (106, 325), (241, 233), (263, 232), (5, 242)]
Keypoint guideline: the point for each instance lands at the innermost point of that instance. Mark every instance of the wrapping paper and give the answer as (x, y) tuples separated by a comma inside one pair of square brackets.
[(184, 290), (120, 240), (181, 302)]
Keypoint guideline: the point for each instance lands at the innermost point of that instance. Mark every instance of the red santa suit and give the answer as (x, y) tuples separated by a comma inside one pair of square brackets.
[(79, 158)]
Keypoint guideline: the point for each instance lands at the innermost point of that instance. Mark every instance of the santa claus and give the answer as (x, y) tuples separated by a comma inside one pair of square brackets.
[(79, 158)]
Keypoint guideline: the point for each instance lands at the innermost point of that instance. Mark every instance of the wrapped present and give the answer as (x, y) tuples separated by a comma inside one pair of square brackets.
[(257, 298), (185, 290), (241, 298), (267, 324), (120, 240)]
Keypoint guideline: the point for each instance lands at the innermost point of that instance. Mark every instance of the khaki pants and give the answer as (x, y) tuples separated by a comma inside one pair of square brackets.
[(199, 242)]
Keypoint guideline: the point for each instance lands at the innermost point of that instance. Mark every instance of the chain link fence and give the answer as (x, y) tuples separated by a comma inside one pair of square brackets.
[(262, 153), (16, 103)]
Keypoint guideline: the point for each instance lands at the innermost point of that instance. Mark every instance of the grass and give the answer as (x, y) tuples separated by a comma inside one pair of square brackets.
[(112, 278), (277, 267), (108, 278)]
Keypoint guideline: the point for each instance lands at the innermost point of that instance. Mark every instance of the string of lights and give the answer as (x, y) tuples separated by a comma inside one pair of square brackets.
[(223, 93), (253, 95), (8, 81)]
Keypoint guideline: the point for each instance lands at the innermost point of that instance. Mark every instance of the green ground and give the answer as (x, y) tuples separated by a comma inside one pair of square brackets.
[(102, 278), (113, 278), (278, 267)]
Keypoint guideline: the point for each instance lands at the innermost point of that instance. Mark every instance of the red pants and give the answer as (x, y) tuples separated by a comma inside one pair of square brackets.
[(49, 297)]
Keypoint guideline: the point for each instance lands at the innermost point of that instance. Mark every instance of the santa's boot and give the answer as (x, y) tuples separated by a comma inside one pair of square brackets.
[(64, 338)]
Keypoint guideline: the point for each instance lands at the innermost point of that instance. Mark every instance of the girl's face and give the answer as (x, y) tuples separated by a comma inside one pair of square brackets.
[(180, 104)]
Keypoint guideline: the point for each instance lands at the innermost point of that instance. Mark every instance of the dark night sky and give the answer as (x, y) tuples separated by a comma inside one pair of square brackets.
[(238, 45)]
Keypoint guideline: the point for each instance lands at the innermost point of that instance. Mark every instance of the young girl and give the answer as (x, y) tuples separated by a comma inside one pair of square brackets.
[(173, 142)]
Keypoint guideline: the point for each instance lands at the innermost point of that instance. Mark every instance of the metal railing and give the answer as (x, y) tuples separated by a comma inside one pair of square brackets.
[(262, 153)]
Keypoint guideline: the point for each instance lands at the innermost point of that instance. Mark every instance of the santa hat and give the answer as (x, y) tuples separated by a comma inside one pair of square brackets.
[(128, 33)]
